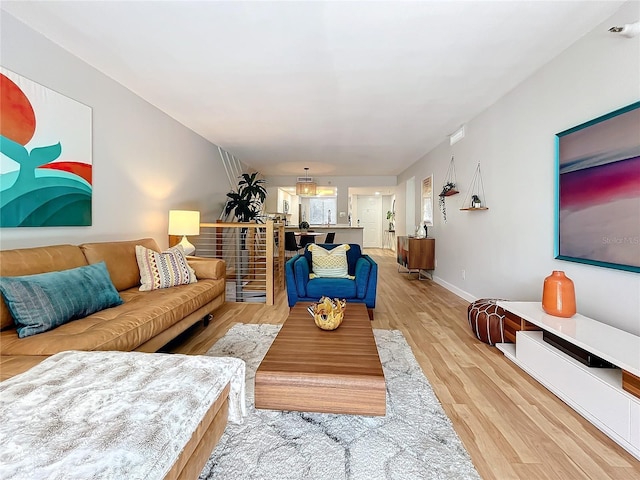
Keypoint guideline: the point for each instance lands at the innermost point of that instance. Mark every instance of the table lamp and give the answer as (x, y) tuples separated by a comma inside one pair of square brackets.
[(184, 222)]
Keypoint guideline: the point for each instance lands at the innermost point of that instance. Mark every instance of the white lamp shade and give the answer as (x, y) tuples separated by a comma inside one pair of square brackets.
[(184, 222)]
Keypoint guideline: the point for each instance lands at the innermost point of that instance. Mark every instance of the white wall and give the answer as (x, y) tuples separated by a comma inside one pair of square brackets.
[(144, 162), (508, 250)]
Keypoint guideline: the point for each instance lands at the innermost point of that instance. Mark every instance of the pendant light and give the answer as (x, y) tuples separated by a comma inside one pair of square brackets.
[(305, 185)]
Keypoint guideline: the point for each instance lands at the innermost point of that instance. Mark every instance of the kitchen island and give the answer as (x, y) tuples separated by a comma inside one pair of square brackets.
[(344, 233)]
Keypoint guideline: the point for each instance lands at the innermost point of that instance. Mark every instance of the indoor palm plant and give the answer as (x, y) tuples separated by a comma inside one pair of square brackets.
[(246, 203)]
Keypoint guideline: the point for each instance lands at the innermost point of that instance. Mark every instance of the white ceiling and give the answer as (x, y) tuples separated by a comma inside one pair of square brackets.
[(345, 88)]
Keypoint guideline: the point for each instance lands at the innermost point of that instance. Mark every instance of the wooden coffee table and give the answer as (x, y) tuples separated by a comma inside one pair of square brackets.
[(312, 370)]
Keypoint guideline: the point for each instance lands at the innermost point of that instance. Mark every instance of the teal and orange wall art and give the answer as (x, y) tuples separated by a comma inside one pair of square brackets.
[(45, 156)]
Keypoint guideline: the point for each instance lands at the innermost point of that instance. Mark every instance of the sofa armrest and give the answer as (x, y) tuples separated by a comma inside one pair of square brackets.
[(363, 269), (370, 297), (211, 268), (297, 276), (292, 292), (301, 271)]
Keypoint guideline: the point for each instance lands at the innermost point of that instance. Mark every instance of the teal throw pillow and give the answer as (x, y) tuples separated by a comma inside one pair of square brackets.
[(45, 301)]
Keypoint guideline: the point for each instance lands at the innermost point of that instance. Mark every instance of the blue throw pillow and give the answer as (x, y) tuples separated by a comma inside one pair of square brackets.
[(45, 301)]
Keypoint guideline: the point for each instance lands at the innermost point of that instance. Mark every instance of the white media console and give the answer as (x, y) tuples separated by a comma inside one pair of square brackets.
[(596, 393)]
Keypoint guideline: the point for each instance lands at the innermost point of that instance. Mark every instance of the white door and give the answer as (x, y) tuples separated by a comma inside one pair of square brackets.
[(370, 216)]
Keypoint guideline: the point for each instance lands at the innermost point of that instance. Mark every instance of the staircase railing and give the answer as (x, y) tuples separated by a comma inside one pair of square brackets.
[(254, 254)]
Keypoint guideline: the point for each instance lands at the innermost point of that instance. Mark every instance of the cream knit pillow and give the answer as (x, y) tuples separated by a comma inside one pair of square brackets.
[(329, 263)]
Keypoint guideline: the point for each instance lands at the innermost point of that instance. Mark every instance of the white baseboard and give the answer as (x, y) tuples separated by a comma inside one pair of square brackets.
[(452, 288)]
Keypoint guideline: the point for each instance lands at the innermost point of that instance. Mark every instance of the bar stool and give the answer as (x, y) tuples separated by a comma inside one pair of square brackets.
[(290, 244)]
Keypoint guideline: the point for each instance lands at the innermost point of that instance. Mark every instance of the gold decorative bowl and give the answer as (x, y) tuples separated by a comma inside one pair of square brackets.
[(328, 314)]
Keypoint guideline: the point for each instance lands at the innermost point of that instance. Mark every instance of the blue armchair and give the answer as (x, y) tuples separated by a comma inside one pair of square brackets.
[(361, 290)]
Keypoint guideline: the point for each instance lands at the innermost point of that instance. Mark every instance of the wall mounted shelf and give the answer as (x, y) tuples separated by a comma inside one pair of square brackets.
[(448, 193), (449, 187), (475, 198)]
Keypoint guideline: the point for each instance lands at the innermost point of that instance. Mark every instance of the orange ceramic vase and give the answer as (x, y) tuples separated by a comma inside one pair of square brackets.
[(558, 295)]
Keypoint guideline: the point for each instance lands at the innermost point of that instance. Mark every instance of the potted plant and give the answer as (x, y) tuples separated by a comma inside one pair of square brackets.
[(475, 201), (391, 216), (246, 203), (448, 189)]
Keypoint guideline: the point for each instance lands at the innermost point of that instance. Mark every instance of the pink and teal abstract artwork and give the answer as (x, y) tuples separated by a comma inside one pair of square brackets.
[(598, 216), (45, 156)]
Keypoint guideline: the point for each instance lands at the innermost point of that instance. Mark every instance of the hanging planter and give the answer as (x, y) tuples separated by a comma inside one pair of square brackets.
[(448, 189), (475, 198)]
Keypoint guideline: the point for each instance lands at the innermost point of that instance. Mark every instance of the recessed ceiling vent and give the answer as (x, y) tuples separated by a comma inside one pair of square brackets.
[(456, 136)]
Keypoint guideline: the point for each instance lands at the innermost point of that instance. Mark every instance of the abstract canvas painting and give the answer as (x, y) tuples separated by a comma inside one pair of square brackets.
[(598, 191), (45, 156)]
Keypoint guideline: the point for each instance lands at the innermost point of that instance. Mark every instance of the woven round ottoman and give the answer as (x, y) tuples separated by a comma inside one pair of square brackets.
[(486, 320)]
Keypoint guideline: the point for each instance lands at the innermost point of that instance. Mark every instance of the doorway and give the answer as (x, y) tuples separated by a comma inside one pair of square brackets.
[(369, 212)]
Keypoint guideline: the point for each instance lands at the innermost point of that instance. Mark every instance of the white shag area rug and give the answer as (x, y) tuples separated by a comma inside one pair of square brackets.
[(415, 440)]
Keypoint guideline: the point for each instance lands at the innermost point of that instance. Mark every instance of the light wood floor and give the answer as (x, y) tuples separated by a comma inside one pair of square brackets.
[(512, 426)]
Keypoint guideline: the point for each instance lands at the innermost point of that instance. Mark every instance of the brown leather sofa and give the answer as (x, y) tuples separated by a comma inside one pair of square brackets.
[(145, 322)]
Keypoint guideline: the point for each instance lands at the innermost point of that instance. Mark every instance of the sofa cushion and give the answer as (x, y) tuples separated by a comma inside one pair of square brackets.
[(29, 261), (12, 365), (44, 301), (163, 269), (143, 316), (331, 287), (120, 258), (329, 263)]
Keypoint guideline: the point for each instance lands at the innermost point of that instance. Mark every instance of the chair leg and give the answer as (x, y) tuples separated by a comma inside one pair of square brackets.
[(370, 312)]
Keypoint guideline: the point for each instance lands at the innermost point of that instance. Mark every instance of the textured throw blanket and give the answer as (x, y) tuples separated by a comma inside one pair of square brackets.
[(110, 415)]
